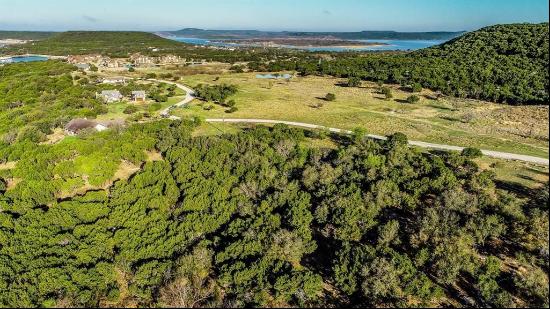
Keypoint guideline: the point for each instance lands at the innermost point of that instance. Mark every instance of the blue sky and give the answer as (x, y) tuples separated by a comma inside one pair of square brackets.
[(308, 15)]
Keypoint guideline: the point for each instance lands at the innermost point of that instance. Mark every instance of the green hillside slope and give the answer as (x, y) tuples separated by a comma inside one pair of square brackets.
[(503, 62), (25, 35), (88, 42)]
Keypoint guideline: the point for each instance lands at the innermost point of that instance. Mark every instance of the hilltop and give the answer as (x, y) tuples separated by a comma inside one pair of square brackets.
[(506, 63), (90, 42), (25, 35)]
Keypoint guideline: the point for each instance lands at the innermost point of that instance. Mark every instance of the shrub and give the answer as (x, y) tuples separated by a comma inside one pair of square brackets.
[(386, 91), (416, 87), (232, 110), (354, 81), (472, 153), (398, 139), (154, 107), (130, 109), (413, 99), (330, 97), (159, 98)]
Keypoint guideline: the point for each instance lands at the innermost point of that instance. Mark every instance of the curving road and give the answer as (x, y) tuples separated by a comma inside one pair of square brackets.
[(489, 153), (190, 96)]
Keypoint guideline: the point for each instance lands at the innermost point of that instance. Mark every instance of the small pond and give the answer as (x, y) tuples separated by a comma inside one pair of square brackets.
[(274, 76)]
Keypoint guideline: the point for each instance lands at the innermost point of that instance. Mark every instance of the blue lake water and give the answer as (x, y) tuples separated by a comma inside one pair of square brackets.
[(23, 59), (391, 45), (273, 76)]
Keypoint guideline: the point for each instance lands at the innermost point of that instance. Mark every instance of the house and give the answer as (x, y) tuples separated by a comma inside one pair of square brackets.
[(170, 59), (139, 96), (110, 96), (112, 124), (77, 125), (116, 63), (107, 62), (83, 66), (74, 59), (142, 61), (114, 81)]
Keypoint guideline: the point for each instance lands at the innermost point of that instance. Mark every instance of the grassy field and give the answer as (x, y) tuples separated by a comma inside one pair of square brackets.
[(512, 173), (522, 130)]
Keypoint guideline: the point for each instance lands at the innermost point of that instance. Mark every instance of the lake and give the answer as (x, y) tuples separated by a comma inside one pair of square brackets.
[(274, 76), (391, 45), (23, 59)]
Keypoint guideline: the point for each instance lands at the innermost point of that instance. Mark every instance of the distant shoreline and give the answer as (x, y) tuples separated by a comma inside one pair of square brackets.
[(303, 43)]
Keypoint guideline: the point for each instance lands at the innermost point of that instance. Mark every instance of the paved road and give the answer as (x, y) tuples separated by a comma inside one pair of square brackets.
[(489, 153), (190, 96), (494, 154)]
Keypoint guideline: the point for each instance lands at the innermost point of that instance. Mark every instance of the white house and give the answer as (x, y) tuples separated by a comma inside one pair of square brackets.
[(110, 96), (139, 96), (114, 81)]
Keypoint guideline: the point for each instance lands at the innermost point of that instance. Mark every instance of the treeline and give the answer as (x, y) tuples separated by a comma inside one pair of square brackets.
[(505, 63), (259, 219), (25, 35)]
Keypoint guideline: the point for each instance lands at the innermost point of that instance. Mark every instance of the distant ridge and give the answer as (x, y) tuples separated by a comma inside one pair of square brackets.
[(116, 43), (362, 35), (25, 35)]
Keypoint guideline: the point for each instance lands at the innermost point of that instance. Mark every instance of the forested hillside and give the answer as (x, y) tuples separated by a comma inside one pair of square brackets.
[(89, 42), (504, 63), (261, 219)]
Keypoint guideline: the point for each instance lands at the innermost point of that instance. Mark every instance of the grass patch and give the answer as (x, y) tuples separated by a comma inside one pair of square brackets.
[(480, 123)]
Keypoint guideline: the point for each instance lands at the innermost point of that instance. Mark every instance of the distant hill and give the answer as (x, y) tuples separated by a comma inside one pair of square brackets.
[(502, 63), (25, 35), (115, 43), (363, 35)]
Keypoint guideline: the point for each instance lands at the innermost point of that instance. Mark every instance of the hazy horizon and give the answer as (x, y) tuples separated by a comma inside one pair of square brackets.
[(283, 15)]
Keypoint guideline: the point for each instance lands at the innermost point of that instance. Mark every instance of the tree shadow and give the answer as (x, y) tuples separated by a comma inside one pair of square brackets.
[(345, 85), (520, 190), (536, 171), (448, 118), (441, 107), (401, 101), (315, 106)]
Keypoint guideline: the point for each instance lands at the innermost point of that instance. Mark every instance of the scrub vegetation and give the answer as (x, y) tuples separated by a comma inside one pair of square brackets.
[(179, 213)]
